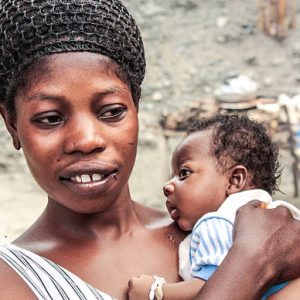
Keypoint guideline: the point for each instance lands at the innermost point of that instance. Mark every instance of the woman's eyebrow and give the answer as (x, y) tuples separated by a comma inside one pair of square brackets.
[(45, 96), (108, 91)]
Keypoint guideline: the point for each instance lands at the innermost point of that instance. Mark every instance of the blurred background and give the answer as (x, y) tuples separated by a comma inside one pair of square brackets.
[(202, 57)]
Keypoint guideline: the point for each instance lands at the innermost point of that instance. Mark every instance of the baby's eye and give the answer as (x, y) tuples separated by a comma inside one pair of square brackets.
[(112, 113), (184, 173)]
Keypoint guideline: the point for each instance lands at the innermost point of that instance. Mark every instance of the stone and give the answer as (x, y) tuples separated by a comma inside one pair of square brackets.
[(222, 21), (157, 96), (267, 81)]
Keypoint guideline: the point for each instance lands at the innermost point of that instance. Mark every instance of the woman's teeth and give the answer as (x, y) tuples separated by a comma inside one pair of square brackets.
[(86, 178)]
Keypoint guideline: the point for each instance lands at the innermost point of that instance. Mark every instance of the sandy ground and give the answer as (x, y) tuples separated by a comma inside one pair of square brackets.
[(21, 202)]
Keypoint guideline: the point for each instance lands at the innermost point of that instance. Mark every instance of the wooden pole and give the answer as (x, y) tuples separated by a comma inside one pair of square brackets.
[(282, 19), (293, 13), (275, 17)]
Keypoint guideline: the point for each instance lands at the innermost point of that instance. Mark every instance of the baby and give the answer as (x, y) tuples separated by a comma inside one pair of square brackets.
[(224, 162)]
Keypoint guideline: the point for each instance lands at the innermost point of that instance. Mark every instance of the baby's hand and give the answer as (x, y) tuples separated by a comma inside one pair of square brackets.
[(139, 287)]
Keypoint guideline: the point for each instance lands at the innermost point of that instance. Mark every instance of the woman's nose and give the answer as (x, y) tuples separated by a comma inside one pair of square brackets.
[(85, 137), (168, 189)]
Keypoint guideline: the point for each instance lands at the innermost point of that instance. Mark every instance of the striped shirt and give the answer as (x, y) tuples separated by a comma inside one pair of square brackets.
[(46, 279), (211, 237), (212, 234)]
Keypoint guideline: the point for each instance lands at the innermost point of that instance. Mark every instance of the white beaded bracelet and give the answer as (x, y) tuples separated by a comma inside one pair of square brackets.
[(159, 294), (158, 282)]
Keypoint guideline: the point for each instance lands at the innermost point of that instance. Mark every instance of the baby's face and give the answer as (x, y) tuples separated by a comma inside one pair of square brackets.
[(197, 185)]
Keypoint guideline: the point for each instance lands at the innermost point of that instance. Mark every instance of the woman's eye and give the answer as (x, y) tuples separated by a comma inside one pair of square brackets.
[(184, 173), (112, 113), (49, 120)]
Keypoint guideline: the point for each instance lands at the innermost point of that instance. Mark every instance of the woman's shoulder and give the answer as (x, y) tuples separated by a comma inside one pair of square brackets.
[(154, 218), (12, 286)]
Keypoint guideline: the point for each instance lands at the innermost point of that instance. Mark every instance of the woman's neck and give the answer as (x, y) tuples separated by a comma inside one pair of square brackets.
[(59, 223), (114, 221)]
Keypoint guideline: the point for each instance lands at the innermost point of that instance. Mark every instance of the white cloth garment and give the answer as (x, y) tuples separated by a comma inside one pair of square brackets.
[(46, 279)]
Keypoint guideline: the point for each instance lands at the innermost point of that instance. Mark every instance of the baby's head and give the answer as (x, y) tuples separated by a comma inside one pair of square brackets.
[(221, 155)]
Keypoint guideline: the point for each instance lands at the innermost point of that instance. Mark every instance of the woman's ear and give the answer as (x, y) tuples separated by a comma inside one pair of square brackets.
[(10, 122), (237, 180)]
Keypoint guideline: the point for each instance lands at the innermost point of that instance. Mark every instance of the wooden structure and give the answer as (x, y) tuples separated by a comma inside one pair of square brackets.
[(276, 17)]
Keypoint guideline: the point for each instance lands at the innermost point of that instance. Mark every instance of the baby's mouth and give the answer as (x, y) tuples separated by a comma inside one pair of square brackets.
[(173, 211), (174, 214)]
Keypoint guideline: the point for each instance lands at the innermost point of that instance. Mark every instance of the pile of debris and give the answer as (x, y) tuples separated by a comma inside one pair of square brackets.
[(280, 115)]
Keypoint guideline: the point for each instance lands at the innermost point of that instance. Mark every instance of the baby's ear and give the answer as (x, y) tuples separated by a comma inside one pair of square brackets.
[(237, 180)]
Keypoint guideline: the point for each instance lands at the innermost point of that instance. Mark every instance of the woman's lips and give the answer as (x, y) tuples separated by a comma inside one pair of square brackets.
[(89, 178), (86, 178), (91, 188), (87, 168)]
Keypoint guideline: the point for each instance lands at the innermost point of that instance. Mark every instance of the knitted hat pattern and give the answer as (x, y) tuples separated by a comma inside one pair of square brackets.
[(30, 29)]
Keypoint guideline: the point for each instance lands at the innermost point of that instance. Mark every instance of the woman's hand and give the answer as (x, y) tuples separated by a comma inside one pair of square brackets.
[(139, 287), (265, 250), (273, 234)]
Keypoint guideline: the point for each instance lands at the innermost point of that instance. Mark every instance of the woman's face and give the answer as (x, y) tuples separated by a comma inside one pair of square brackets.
[(78, 128)]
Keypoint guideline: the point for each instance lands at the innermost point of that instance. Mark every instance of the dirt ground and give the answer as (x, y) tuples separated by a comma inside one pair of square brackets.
[(191, 47)]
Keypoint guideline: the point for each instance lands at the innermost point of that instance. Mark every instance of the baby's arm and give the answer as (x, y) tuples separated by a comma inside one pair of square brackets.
[(187, 290), (139, 288)]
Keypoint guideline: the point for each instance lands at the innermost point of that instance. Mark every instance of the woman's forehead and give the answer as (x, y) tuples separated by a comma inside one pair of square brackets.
[(64, 74), (58, 63)]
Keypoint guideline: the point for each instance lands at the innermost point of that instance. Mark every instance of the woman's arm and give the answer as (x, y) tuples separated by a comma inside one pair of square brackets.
[(266, 250), (12, 286), (290, 292), (186, 290), (240, 276)]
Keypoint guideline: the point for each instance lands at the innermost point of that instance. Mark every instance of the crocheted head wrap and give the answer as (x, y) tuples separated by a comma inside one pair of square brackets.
[(30, 29)]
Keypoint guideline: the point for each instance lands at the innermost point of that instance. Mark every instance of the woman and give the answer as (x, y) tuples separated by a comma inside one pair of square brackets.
[(70, 77)]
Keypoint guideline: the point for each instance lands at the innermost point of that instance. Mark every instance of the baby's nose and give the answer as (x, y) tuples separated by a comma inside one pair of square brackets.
[(168, 189)]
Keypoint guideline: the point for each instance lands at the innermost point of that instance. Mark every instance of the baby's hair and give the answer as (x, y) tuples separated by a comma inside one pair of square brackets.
[(238, 140)]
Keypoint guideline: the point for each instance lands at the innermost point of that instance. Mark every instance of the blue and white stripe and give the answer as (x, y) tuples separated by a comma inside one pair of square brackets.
[(212, 234), (211, 240)]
